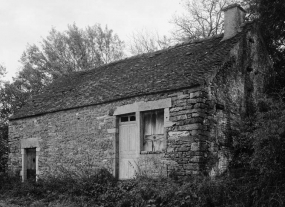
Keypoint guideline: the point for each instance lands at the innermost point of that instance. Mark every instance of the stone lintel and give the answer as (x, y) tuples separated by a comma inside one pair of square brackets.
[(30, 143), (143, 106)]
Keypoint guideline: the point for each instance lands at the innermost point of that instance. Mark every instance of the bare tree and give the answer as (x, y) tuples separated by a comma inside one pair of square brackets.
[(202, 19), (145, 41)]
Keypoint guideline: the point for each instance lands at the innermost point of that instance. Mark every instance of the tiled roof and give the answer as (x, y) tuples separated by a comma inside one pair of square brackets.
[(181, 66)]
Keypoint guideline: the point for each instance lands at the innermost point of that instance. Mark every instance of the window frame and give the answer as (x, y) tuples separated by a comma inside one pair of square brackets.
[(129, 118), (143, 133)]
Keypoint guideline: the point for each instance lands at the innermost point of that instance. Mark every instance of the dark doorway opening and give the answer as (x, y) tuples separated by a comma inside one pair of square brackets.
[(31, 164)]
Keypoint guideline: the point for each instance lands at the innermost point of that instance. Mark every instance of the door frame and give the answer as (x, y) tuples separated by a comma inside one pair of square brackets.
[(136, 123), (137, 108), (27, 144)]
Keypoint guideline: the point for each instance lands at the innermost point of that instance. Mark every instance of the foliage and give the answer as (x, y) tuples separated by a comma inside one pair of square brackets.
[(3, 149), (59, 54), (242, 146), (256, 176), (270, 17), (74, 50), (98, 189), (2, 82), (259, 141), (101, 189), (269, 141), (268, 156), (2, 74), (13, 97), (258, 152), (258, 163)]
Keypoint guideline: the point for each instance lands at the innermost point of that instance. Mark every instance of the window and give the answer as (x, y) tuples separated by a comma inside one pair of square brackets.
[(128, 118), (153, 130)]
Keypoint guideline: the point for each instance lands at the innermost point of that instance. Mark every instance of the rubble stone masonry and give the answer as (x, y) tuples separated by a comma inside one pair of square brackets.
[(84, 138)]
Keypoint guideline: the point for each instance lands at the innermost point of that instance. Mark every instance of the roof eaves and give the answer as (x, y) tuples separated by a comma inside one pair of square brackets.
[(100, 103)]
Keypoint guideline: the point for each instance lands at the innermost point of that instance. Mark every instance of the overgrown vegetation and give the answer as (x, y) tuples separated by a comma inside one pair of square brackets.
[(258, 153), (256, 173), (3, 149), (255, 177), (102, 189)]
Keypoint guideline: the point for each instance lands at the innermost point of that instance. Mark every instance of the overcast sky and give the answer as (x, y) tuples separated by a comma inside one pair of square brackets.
[(25, 22)]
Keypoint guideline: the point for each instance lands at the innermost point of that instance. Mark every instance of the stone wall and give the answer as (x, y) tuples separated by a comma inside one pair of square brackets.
[(196, 136), (235, 90), (74, 139), (187, 139), (78, 139)]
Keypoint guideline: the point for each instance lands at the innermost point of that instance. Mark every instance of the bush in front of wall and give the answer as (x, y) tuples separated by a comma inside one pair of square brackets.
[(255, 178), (101, 189)]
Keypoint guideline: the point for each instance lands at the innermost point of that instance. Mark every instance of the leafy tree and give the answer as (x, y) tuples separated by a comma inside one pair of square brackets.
[(3, 148), (145, 41), (73, 50), (59, 54), (3, 128), (269, 140), (2, 75), (202, 19), (2, 82), (13, 97), (271, 19)]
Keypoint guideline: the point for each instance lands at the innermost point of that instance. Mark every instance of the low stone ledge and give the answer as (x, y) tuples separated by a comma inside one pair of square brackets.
[(183, 96), (151, 152), (191, 127)]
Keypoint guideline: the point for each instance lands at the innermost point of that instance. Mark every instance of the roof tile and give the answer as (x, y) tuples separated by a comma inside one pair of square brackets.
[(181, 66)]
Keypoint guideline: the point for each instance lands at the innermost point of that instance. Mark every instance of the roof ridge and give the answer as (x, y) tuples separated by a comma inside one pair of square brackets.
[(148, 54), (179, 66)]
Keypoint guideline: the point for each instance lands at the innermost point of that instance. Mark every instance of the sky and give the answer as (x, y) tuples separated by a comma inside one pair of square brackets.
[(24, 22)]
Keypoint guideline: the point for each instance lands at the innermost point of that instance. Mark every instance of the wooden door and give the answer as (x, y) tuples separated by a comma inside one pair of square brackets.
[(31, 163), (128, 147)]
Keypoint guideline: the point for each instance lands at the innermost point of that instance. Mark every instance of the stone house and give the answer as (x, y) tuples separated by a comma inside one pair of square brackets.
[(163, 112)]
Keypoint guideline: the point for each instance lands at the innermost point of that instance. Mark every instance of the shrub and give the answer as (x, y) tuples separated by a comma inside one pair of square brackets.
[(256, 176), (3, 149), (92, 189), (268, 158), (258, 153), (103, 190)]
